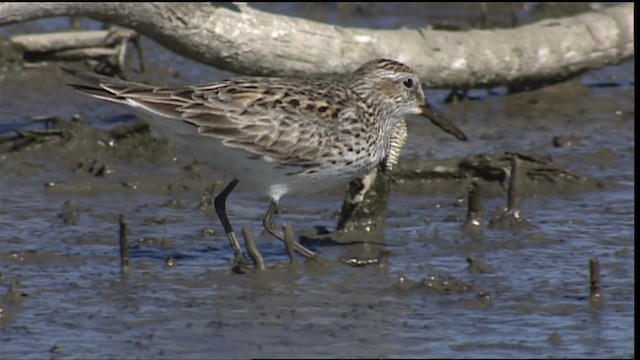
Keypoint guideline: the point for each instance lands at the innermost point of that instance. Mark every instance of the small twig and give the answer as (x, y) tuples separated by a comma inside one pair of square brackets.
[(124, 245), (289, 239), (252, 249), (595, 291), (65, 40), (79, 45)]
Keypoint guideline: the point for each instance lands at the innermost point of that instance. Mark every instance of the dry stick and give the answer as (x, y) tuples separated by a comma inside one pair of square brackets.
[(252, 249), (69, 40), (84, 53), (124, 245), (596, 284), (289, 239), (77, 45)]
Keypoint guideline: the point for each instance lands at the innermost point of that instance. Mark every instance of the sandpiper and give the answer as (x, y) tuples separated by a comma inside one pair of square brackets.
[(279, 135)]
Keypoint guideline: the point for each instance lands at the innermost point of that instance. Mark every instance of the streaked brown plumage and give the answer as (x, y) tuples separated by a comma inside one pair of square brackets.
[(279, 135)]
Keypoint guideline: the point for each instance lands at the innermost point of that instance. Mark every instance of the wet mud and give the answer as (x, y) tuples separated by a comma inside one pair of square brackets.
[(426, 280)]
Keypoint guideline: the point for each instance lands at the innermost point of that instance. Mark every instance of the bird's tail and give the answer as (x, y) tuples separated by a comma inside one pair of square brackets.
[(103, 87)]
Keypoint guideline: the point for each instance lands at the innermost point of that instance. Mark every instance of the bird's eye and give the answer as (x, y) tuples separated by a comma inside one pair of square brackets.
[(408, 83)]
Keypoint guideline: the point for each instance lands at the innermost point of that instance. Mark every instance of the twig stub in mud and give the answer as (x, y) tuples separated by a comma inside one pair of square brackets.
[(474, 211), (289, 239), (512, 218), (252, 249), (124, 245), (595, 290), (516, 182)]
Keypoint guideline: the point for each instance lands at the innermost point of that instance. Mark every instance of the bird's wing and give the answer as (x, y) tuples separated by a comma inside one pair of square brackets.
[(287, 120)]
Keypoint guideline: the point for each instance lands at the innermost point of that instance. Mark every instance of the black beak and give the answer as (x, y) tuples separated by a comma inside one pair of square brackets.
[(442, 122)]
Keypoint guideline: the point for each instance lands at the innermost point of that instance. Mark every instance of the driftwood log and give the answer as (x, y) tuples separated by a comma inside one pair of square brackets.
[(239, 38)]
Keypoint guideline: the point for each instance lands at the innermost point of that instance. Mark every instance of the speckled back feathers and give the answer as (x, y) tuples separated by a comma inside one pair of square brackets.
[(296, 122)]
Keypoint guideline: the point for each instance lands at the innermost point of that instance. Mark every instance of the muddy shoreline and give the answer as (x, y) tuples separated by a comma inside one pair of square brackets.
[(435, 289)]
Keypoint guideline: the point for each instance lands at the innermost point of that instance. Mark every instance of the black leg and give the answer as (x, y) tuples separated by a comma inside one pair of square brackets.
[(270, 226), (220, 204)]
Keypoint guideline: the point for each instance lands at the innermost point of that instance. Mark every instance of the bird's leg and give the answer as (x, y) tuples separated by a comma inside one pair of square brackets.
[(270, 226), (220, 204)]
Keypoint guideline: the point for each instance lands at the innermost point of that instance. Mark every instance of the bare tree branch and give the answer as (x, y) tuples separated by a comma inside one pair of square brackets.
[(239, 38)]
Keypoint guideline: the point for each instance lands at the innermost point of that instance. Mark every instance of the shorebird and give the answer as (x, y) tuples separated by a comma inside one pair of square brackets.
[(279, 135)]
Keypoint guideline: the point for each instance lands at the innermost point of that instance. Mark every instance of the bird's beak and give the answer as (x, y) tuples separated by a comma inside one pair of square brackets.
[(440, 121)]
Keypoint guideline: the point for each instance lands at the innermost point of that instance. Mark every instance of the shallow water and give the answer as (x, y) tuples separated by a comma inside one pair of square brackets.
[(73, 302)]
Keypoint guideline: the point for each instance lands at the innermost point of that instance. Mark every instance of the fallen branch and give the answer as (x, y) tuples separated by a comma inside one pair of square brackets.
[(239, 38), (78, 45)]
